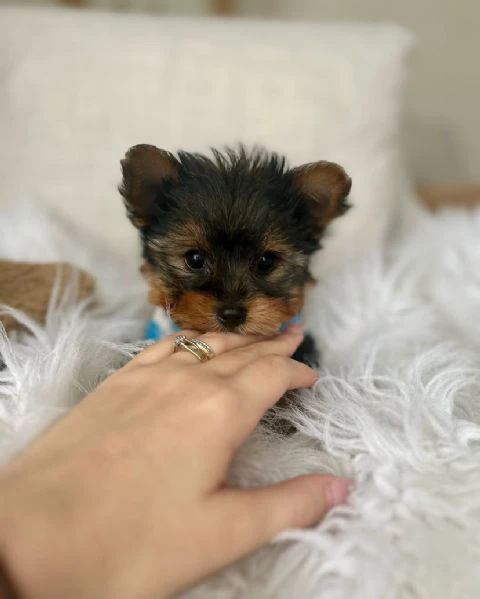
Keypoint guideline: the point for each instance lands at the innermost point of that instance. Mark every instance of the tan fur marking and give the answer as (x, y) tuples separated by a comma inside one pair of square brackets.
[(157, 292), (196, 310), (275, 242), (267, 314), (326, 185)]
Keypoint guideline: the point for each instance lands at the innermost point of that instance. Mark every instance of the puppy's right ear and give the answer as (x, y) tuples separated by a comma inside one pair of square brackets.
[(145, 170)]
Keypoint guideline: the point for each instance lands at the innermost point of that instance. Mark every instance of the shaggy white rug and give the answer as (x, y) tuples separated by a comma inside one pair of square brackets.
[(397, 408)]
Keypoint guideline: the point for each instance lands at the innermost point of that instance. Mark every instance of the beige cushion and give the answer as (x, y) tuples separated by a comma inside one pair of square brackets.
[(77, 88)]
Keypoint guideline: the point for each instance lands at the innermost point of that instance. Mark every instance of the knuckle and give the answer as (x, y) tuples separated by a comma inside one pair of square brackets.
[(216, 402), (211, 336), (187, 333), (179, 380), (215, 340), (221, 339), (248, 351)]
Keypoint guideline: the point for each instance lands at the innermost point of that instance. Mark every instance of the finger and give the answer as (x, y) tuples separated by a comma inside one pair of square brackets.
[(261, 383), (219, 343), (284, 344), (251, 518), (160, 350)]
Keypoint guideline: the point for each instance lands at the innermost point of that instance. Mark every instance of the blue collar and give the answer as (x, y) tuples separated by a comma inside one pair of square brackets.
[(162, 325)]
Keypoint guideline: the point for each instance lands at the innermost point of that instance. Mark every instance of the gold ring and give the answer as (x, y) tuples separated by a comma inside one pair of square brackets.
[(199, 349)]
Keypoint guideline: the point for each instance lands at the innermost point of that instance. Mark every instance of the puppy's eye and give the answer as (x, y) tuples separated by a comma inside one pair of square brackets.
[(266, 263), (194, 259)]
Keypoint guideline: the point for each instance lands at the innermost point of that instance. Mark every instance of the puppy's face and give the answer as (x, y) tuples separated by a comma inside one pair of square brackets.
[(226, 241)]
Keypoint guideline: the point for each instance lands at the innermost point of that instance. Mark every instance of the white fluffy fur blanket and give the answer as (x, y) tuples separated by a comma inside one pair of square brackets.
[(397, 408)]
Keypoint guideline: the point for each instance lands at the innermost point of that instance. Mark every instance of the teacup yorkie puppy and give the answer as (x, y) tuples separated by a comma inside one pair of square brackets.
[(227, 240)]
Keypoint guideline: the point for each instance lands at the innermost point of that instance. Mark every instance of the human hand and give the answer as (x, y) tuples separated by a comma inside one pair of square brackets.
[(126, 497)]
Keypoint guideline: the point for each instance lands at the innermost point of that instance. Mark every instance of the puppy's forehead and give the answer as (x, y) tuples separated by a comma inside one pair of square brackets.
[(187, 234), (177, 238), (223, 236)]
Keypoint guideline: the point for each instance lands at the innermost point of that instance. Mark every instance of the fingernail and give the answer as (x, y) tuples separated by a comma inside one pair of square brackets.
[(338, 491), (294, 329)]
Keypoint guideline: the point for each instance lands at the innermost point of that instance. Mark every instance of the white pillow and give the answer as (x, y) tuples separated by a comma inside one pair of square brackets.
[(78, 88)]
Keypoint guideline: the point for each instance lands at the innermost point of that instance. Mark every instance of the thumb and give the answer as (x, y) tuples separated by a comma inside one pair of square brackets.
[(249, 518)]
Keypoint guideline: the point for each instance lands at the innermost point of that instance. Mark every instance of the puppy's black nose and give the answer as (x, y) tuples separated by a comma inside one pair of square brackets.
[(231, 316)]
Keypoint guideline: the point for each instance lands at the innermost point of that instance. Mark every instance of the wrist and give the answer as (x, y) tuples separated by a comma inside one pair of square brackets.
[(8, 585), (7, 590), (29, 556)]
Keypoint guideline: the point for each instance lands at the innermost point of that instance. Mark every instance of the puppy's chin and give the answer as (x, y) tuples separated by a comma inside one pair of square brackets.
[(211, 325), (266, 315), (257, 328), (254, 325)]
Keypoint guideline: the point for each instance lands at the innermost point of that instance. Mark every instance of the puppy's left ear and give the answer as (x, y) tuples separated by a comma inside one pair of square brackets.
[(146, 169), (325, 187)]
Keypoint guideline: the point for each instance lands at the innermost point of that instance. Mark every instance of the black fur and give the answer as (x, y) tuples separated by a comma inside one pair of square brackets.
[(244, 204), (237, 198)]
